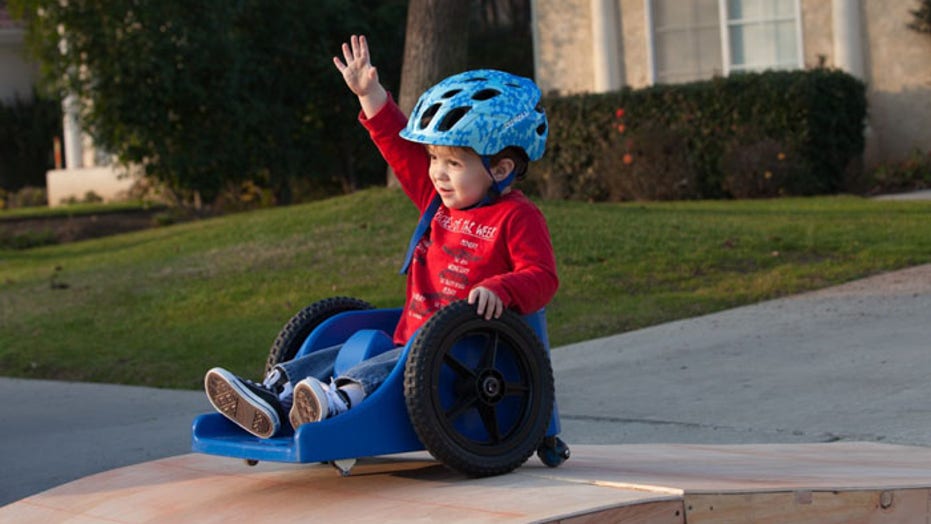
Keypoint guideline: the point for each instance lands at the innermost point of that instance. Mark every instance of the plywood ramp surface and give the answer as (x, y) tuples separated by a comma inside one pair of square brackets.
[(840, 482)]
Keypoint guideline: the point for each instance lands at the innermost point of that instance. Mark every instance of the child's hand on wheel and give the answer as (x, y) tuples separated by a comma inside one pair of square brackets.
[(489, 304)]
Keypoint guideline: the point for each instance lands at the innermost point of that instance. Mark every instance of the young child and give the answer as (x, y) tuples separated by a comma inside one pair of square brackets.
[(467, 140)]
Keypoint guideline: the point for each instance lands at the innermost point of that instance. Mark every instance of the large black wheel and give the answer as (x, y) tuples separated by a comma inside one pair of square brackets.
[(479, 392), (297, 329)]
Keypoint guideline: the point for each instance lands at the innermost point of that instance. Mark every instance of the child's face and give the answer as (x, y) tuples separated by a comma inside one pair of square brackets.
[(458, 175)]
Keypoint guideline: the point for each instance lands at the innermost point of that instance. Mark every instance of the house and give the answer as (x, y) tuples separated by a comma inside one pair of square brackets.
[(601, 45), (84, 169), (18, 73)]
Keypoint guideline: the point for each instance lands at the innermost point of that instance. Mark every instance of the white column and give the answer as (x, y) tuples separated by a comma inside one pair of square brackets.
[(848, 36), (848, 56), (535, 37), (606, 58), (74, 140)]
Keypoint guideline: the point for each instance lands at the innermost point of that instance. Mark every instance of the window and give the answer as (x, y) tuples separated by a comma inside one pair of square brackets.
[(761, 34), (697, 39), (687, 40)]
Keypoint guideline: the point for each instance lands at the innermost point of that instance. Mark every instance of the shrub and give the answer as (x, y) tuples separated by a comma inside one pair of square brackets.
[(90, 197), (648, 163), (204, 93), (28, 197), (27, 239), (578, 134), (759, 167), (243, 196), (911, 174), (818, 114), (921, 17)]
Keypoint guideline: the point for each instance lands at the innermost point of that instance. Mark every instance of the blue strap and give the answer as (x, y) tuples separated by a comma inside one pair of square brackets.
[(420, 231), (496, 189)]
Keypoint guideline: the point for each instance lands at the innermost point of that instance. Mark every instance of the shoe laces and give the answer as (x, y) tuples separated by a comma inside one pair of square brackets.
[(274, 380), (277, 382), (337, 400)]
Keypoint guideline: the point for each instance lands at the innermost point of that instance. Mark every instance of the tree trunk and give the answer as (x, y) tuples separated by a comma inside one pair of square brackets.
[(435, 46)]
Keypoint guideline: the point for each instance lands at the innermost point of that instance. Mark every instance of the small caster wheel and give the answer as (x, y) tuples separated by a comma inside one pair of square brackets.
[(251, 462), (553, 451)]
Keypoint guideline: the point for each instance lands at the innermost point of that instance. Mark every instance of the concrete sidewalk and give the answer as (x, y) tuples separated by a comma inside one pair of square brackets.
[(56, 432), (846, 363)]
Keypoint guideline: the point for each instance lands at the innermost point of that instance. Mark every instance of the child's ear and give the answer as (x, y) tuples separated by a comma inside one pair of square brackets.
[(502, 169)]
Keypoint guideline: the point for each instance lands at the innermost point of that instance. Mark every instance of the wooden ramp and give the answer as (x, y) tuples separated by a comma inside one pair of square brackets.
[(799, 483)]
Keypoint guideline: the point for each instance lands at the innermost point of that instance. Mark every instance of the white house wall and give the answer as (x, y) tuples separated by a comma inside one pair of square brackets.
[(896, 60), (898, 64), (564, 47), (19, 75), (818, 47), (633, 22)]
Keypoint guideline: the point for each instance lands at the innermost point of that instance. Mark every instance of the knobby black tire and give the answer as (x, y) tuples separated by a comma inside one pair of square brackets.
[(498, 384), (293, 334)]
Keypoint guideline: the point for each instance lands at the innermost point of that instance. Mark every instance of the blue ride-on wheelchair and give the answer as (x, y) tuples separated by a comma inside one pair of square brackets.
[(477, 394)]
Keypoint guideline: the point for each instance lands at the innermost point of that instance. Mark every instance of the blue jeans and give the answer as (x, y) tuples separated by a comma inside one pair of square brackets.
[(369, 373)]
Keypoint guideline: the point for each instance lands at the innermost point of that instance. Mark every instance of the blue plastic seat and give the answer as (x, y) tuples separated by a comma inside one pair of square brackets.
[(378, 426)]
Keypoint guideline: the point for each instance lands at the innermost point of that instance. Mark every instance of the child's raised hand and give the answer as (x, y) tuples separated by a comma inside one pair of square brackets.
[(358, 72)]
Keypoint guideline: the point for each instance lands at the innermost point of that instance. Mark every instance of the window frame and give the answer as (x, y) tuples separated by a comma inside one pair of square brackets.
[(724, 27)]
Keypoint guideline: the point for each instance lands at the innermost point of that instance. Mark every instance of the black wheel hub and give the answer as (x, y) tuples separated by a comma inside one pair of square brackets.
[(490, 386)]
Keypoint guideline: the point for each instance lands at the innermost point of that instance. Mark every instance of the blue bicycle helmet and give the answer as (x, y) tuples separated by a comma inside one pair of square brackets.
[(485, 109)]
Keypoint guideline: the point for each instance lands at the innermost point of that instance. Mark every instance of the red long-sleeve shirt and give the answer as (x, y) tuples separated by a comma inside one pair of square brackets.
[(504, 247)]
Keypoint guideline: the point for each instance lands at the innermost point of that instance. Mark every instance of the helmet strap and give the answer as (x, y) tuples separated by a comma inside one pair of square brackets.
[(497, 186)]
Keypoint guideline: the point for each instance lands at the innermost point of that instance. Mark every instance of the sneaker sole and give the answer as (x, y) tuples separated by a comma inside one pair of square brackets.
[(240, 405), (306, 408)]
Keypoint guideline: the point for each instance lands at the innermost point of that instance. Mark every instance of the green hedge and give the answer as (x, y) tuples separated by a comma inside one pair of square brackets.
[(748, 135)]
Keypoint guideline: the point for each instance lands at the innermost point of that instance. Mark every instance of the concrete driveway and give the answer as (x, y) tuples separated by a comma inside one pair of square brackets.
[(845, 363)]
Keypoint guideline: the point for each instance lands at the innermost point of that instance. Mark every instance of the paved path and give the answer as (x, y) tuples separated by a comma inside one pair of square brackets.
[(913, 195), (55, 432), (846, 363)]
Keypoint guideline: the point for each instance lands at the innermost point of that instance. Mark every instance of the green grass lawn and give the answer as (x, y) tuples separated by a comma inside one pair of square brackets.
[(159, 307)]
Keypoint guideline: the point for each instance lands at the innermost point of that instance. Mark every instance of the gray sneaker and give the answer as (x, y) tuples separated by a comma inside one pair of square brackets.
[(315, 401), (254, 407)]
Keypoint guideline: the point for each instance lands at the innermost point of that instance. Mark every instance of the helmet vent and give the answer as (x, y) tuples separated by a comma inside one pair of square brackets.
[(450, 94), (428, 114), (541, 129), (517, 86), (452, 118), (477, 79), (486, 94)]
